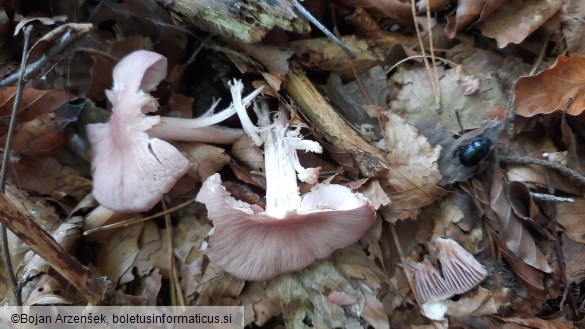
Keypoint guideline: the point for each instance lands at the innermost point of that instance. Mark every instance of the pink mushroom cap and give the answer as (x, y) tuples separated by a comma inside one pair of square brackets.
[(132, 170), (254, 246)]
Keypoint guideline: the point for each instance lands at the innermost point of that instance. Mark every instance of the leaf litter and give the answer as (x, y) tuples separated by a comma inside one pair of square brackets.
[(507, 72)]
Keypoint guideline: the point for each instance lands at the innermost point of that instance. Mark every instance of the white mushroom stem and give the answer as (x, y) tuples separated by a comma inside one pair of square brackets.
[(179, 130), (281, 164), (202, 129)]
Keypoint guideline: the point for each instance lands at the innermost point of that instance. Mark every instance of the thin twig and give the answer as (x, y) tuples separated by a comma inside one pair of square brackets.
[(136, 220), (444, 60), (177, 296), (433, 61), (550, 197), (573, 174), (5, 160), (422, 49), (538, 60), (306, 14), (58, 49)]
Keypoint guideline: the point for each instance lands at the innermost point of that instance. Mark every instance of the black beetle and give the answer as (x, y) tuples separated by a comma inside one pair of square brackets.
[(472, 153)]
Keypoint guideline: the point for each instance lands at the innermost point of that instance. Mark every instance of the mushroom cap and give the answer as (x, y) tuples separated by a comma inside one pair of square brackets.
[(131, 170), (461, 270), (254, 246)]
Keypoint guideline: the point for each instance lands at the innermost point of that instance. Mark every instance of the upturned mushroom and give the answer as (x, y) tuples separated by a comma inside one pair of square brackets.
[(293, 231), (459, 272), (132, 166), (430, 286)]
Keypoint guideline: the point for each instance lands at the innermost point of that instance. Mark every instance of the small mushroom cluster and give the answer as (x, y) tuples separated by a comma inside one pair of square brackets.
[(133, 166), (460, 272)]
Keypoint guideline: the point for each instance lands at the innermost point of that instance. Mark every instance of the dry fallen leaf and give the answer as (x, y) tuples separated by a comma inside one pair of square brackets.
[(469, 12), (573, 29), (516, 19), (413, 177), (551, 89), (205, 159), (116, 258)]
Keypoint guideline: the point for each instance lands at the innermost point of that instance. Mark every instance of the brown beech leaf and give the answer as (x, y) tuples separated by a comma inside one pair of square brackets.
[(550, 90), (47, 176), (34, 102), (470, 11), (510, 229), (559, 323), (414, 175), (38, 137), (516, 19), (531, 277)]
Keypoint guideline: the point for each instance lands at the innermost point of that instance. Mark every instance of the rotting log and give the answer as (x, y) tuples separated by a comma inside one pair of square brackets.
[(327, 121), (245, 21)]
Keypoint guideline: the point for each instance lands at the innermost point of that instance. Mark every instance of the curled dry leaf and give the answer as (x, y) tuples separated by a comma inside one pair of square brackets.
[(469, 12), (515, 20), (550, 90), (509, 234), (414, 173), (508, 228)]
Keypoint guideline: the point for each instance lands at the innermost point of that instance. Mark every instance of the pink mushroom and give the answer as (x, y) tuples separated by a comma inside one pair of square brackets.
[(293, 231), (132, 167), (430, 286), (460, 271)]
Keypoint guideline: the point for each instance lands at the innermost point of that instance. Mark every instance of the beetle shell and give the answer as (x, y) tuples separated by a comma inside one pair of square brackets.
[(472, 153)]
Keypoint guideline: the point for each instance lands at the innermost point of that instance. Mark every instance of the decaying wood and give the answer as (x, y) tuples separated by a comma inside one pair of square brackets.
[(246, 21), (327, 121), (97, 290)]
